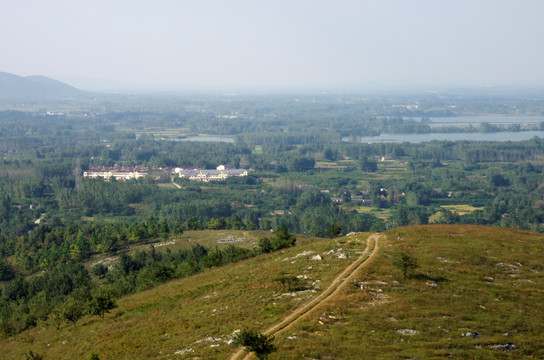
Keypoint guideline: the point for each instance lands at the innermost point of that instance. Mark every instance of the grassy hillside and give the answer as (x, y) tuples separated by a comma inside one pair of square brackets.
[(477, 289), (478, 293), (199, 312)]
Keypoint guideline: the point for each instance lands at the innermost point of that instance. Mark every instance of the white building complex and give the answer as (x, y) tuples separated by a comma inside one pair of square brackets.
[(128, 173), (221, 173), (118, 173)]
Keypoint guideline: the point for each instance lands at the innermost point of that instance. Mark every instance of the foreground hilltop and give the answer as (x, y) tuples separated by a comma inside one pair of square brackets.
[(477, 293)]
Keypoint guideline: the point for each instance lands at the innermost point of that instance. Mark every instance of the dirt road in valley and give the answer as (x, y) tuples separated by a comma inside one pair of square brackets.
[(345, 277)]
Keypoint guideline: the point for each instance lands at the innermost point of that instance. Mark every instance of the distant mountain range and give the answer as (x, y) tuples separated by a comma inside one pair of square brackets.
[(37, 86)]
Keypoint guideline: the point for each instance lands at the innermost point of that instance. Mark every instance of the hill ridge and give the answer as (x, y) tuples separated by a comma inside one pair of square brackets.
[(35, 86)]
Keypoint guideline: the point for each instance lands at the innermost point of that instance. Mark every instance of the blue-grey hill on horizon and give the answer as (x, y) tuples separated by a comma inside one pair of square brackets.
[(13, 86)]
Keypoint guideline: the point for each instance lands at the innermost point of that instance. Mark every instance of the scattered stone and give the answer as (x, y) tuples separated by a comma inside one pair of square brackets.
[(208, 339), (304, 253), (106, 262), (431, 283), (378, 297), (292, 337), (505, 347), (184, 351), (471, 335), (407, 332), (230, 240), (343, 256), (214, 345), (173, 242), (392, 319), (317, 257), (509, 267)]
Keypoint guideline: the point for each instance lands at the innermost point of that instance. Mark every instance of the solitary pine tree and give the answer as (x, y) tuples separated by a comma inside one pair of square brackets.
[(406, 263)]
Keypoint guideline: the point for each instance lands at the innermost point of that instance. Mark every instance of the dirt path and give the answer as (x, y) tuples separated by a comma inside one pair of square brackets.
[(347, 275), (246, 234), (176, 185)]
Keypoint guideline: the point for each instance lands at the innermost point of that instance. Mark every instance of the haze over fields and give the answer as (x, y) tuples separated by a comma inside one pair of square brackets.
[(176, 45)]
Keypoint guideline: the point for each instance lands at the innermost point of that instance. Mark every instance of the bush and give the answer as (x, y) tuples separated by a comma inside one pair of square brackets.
[(256, 342)]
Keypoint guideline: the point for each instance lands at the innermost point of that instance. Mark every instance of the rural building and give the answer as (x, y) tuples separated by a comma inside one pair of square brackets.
[(118, 173), (221, 173), (128, 173)]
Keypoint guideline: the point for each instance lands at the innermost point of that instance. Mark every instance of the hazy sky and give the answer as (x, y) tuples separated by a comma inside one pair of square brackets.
[(181, 44)]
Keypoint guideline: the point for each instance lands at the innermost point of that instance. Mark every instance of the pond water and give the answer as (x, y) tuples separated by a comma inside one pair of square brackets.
[(417, 138), (225, 139), (476, 120)]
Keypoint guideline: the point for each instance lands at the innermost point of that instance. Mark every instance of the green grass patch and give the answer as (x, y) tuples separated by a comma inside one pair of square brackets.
[(359, 209), (329, 165)]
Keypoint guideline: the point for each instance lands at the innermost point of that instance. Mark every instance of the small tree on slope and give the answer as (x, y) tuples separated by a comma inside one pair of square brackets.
[(406, 263), (256, 342)]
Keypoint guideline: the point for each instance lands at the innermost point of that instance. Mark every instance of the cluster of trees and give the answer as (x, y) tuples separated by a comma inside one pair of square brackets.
[(48, 246), (281, 240), (67, 291)]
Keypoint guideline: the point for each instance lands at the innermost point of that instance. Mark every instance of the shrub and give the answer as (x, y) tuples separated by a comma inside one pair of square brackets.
[(256, 342)]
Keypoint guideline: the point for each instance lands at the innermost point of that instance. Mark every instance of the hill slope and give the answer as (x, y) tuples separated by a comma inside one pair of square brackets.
[(477, 294), (14, 86)]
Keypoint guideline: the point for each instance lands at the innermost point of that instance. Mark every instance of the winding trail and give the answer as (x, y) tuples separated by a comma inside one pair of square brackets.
[(346, 276), (246, 234)]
